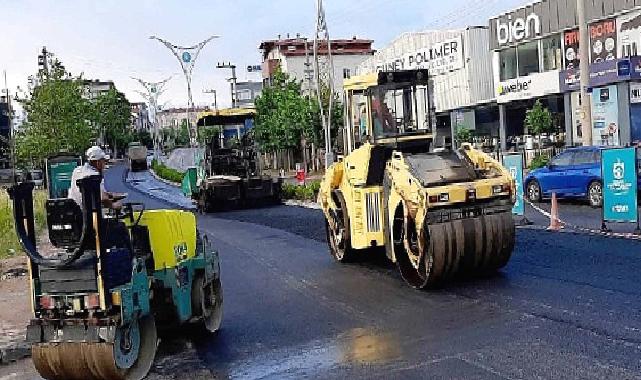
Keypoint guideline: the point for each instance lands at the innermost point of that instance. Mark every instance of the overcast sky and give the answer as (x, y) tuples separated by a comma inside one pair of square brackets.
[(108, 39)]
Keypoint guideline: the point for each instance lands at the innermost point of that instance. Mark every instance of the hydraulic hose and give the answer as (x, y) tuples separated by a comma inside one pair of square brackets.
[(22, 196)]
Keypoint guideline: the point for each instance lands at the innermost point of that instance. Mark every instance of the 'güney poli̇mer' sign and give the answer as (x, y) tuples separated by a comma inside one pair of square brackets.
[(439, 58)]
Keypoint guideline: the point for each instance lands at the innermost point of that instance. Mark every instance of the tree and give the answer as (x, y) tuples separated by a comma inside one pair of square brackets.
[(538, 119), (281, 113), (207, 133), (145, 138), (181, 138), (463, 135), (112, 116), (58, 118)]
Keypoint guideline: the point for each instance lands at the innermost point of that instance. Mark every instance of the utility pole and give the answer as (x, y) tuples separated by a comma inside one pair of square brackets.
[(153, 90), (324, 74), (187, 58), (584, 66), (233, 79), (212, 91)]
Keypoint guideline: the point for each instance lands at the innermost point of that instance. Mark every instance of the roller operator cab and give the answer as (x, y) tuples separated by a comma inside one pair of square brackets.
[(114, 277), (436, 213)]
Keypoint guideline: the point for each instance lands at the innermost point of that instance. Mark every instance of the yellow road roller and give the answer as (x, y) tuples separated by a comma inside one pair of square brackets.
[(436, 212), (113, 278)]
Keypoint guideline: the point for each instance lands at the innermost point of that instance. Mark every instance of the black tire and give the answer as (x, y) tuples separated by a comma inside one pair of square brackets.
[(339, 240), (595, 194), (207, 302), (533, 191)]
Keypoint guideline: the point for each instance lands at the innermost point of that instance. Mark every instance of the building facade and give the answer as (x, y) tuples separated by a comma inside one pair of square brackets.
[(536, 57), (246, 93), (295, 56), (140, 117), (174, 117), (93, 88)]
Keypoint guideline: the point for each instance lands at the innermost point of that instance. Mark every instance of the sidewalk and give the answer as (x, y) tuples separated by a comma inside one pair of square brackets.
[(148, 184)]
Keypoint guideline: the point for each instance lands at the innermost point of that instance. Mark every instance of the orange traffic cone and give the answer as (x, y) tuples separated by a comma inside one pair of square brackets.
[(555, 224)]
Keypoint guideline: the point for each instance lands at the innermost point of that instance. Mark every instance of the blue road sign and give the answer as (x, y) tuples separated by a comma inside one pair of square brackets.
[(619, 168), (186, 57), (514, 164)]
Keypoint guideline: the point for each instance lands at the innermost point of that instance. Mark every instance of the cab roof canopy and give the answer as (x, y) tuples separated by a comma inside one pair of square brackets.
[(228, 116), (365, 81)]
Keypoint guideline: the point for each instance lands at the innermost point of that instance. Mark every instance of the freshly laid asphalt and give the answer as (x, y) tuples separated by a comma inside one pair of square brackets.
[(567, 306)]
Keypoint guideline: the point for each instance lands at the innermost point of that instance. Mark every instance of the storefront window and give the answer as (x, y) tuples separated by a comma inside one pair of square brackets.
[(528, 58), (551, 48), (507, 62)]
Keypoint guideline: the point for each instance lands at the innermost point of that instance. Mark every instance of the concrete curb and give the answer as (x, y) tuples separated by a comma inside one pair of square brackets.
[(13, 352), (166, 182), (303, 204)]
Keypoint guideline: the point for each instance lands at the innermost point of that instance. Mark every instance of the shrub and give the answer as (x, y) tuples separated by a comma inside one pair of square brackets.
[(305, 192), (166, 172), (539, 162)]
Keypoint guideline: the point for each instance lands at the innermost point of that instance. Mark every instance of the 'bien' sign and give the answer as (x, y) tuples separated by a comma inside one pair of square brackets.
[(518, 29)]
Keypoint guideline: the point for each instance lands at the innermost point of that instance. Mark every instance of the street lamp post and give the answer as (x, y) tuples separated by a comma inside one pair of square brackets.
[(152, 91), (187, 57), (234, 101)]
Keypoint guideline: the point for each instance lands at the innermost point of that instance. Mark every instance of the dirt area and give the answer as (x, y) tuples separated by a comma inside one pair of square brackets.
[(14, 298)]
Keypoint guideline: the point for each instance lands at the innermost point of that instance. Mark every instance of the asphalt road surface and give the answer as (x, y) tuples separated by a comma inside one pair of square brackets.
[(566, 307)]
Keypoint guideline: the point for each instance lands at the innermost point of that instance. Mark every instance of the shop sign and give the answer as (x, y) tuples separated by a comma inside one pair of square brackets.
[(439, 58), (601, 73), (629, 34), (605, 116), (635, 67), (517, 29), (532, 86), (635, 92), (571, 49), (603, 41), (514, 164), (619, 169)]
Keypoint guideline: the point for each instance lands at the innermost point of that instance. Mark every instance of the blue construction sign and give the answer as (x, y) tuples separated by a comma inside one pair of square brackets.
[(619, 170), (514, 164)]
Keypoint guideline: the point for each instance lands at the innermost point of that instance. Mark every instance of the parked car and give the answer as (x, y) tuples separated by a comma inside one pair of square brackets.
[(575, 173)]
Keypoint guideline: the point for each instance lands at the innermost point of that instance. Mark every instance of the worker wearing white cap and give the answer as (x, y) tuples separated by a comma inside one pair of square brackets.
[(95, 165)]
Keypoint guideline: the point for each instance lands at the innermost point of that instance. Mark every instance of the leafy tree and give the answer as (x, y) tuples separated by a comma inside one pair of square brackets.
[(281, 113), (538, 119), (463, 135), (207, 133), (181, 138), (112, 115), (145, 138), (58, 118)]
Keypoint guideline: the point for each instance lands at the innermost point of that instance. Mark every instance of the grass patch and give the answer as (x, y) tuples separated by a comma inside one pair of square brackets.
[(9, 245), (307, 192), (166, 172)]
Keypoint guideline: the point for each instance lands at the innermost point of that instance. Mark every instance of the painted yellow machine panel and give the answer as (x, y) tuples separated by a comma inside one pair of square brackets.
[(172, 235)]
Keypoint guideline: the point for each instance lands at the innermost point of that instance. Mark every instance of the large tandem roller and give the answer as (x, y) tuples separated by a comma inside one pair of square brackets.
[(438, 213), (96, 303)]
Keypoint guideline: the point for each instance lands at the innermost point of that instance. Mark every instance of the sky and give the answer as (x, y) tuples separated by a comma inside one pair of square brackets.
[(109, 39)]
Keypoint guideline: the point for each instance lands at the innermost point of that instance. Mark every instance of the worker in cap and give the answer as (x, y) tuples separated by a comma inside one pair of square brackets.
[(95, 165)]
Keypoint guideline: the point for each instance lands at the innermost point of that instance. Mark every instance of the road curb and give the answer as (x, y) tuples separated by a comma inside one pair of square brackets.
[(163, 200), (303, 204), (14, 352)]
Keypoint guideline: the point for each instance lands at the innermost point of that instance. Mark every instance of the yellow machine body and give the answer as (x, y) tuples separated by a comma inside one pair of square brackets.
[(172, 235), (386, 192)]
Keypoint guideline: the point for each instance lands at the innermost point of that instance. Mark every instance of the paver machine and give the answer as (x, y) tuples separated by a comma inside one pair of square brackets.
[(110, 280), (231, 176), (436, 212)]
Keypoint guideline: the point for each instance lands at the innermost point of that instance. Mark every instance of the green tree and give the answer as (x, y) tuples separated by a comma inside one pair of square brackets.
[(145, 138), (281, 114), (463, 135), (58, 118), (181, 137), (538, 119), (207, 133), (112, 117)]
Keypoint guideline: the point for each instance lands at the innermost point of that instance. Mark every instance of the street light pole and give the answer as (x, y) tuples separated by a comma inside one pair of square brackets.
[(584, 67), (187, 58), (322, 74), (152, 91), (212, 91), (234, 93)]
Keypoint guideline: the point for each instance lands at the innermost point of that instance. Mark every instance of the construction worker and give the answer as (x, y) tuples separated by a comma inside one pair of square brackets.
[(95, 165)]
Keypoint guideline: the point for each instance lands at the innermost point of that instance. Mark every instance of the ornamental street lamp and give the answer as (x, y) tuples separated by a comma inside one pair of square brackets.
[(152, 91), (187, 58)]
